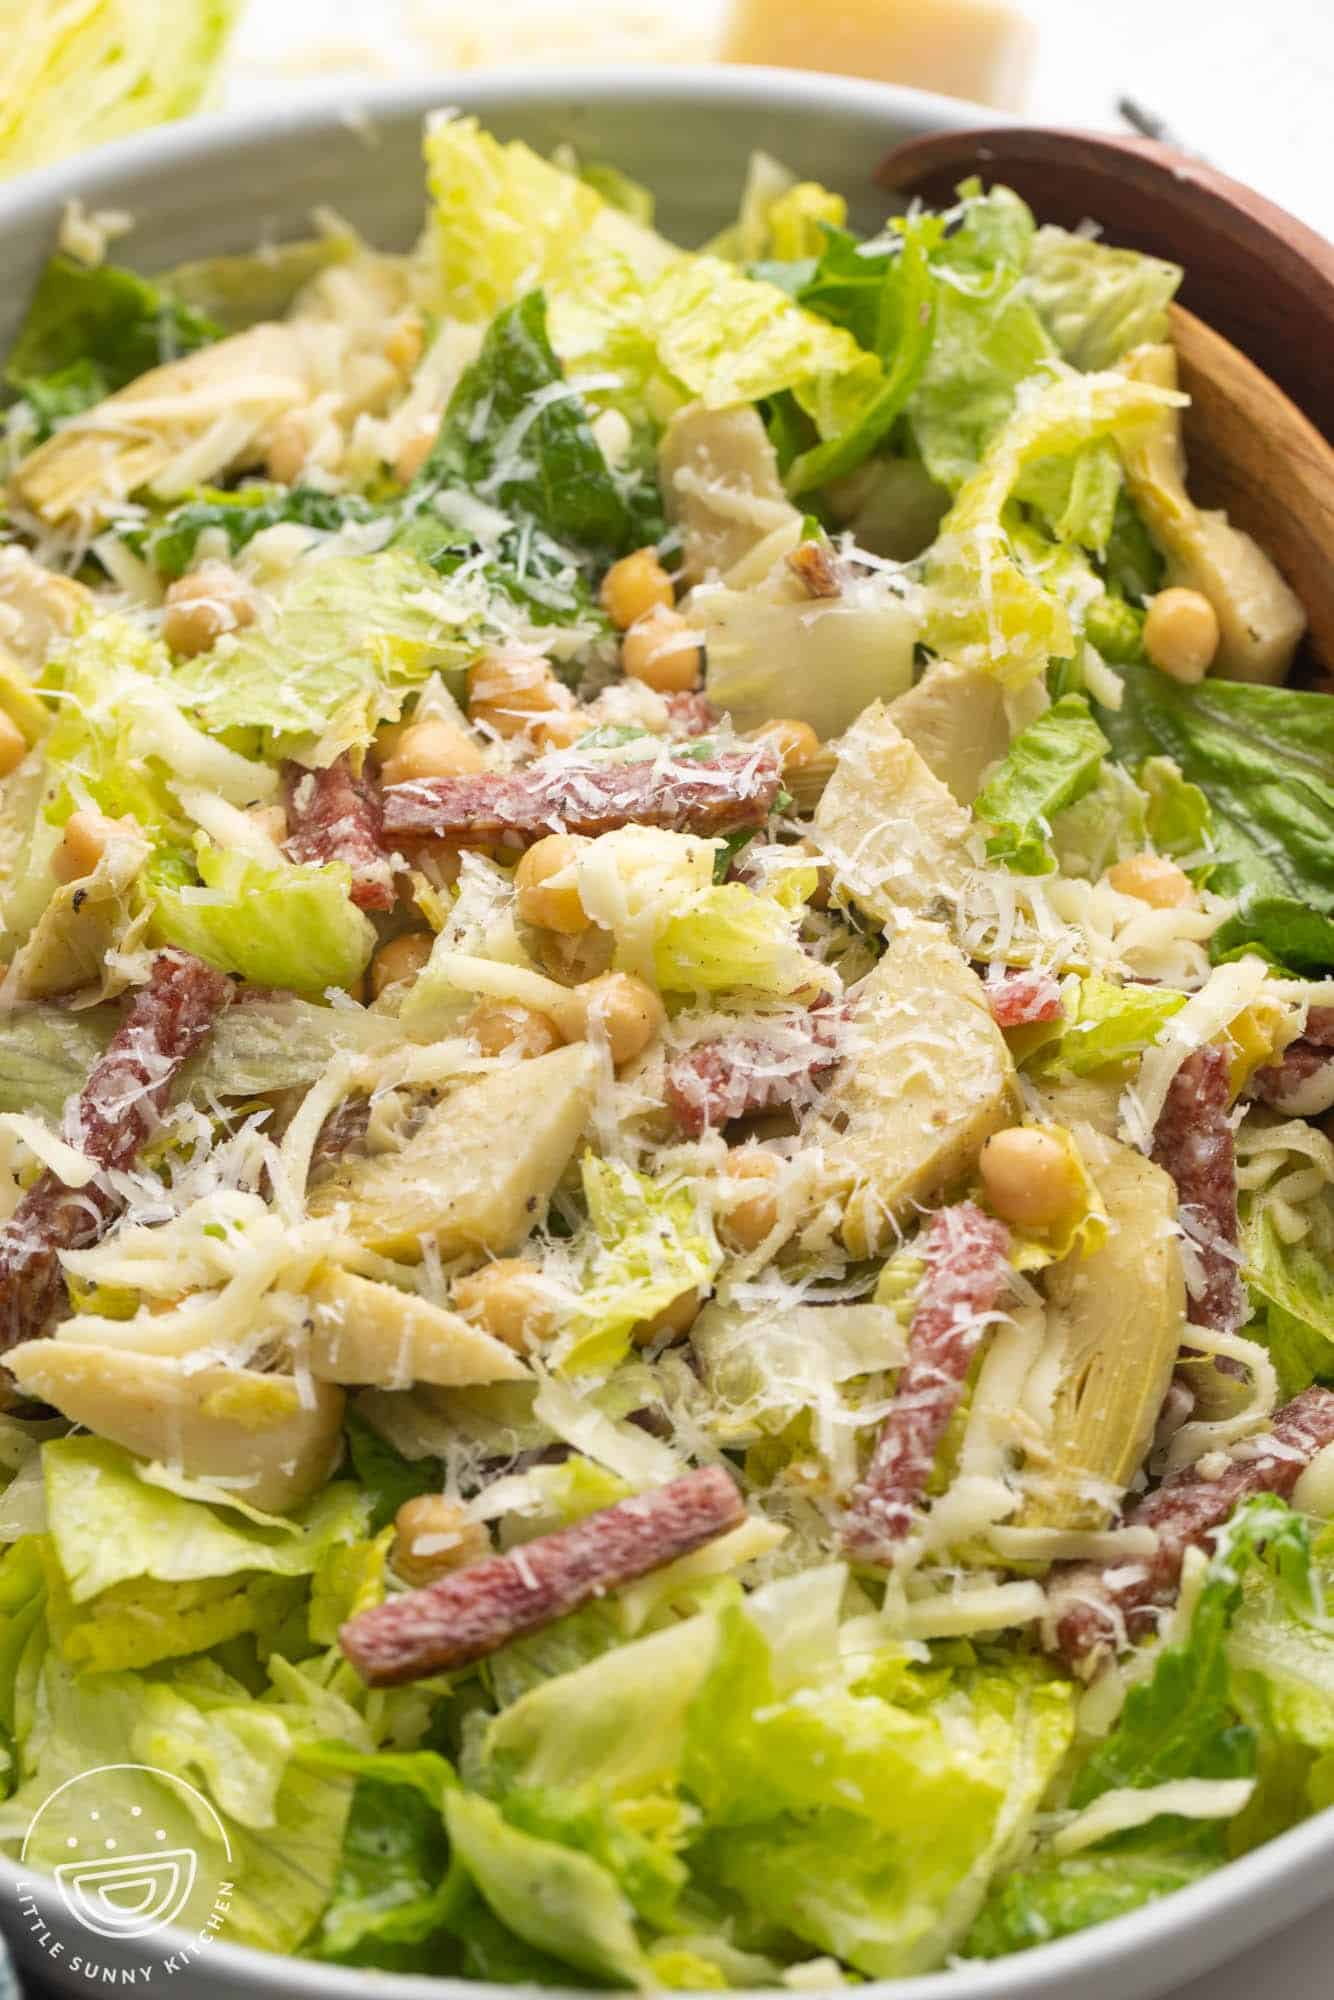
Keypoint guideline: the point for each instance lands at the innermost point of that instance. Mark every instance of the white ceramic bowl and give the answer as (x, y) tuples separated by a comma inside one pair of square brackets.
[(222, 185)]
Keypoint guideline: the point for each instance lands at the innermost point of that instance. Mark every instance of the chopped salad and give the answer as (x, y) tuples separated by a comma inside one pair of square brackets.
[(667, 1036)]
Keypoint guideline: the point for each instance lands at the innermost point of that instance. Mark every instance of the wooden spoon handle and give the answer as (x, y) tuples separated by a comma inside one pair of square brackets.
[(1255, 273)]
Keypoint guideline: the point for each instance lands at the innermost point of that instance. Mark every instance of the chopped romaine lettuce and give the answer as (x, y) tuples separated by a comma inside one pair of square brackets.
[(1097, 302), (76, 79), (990, 605), (294, 926), (88, 332), (1053, 1899), (171, 545), (1049, 765), (344, 640), (1263, 757), (729, 938), (987, 341), (517, 437), (649, 1243), (1108, 1025)]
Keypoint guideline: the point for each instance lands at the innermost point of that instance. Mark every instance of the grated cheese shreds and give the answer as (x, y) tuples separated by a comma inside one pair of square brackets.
[(629, 1193), (1122, 1810)]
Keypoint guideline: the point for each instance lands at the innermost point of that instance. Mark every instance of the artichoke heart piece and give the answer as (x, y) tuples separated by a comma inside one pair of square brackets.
[(274, 1440), (479, 1172), (372, 1335), (896, 837), (955, 720), (211, 411), (70, 947), (930, 1079), (1114, 1327), (1261, 620), (722, 488)]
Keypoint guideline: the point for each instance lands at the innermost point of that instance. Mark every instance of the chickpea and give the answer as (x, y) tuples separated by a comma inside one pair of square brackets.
[(673, 1323), (750, 1200), (1030, 1178), (289, 447), (796, 742), (415, 450), (547, 886), (1152, 880), (561, 728), (505, 1027), (510, 1300), (211, 600), (399, 960), (431, 749), (1181, 634), (433, 1535), (404, 341), (624, 1012), (509, 692), (663, 652), (85, 840), (13, 745), (634, 587)]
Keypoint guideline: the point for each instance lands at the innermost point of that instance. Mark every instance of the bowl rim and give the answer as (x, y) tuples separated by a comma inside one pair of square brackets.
[(325, 105), (1280, 1881)]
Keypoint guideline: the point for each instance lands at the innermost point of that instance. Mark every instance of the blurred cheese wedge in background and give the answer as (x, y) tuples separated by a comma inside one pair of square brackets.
[(980, 49)]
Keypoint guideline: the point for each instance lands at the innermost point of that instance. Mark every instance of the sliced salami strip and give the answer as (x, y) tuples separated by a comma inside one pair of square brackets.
[(1301, 1083), (477, 1610), (692, 714), (332, 816), (1024, 999), (966, 1273), (681, 794), (117, 1110), (1192, 1141), (1320, 1027), (1100, 1610), (744, 1076)]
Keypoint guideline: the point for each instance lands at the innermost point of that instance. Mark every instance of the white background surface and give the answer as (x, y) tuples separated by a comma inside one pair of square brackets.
[(1249, 83)]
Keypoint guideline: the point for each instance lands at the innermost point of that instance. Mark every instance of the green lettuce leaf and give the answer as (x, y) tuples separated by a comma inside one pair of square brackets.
[(504, 220), (649, 1243), (109, 1525), (284, 1823), (555, 1898), (90, 331), (988, 339), (74, 80), (1180, 821), (47, 1052), (868, 1829), (888, 304), (388, 1478), (1109, 1024), (1097, 302), (1076, 498), (517, 437), (1293, 1283), (345, 639), (728, 939), (170, 545), (1049, 765), (1109, 822), (1264, 759), (994, 601), (1054, 1899), (294, 926), (392, 1888), (1181, 1721)]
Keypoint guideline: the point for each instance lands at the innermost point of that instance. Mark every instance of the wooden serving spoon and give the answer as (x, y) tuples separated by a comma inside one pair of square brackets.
[(1255, 331)]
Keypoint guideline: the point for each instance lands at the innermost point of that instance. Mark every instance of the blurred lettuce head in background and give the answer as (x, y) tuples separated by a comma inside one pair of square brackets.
[(77, 73)]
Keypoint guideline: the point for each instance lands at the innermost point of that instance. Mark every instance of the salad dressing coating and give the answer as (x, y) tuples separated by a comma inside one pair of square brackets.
[(665, 1214)]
